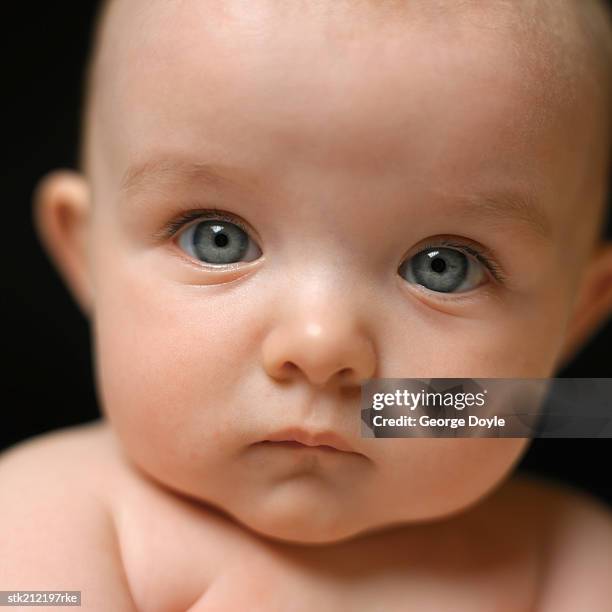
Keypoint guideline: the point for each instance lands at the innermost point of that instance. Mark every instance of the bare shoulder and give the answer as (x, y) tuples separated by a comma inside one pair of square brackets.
[(55, 530), (61, 442), (574, 531), (69, 464)]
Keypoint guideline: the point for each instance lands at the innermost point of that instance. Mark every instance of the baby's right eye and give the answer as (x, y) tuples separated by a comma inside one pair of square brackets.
[(217, 241)]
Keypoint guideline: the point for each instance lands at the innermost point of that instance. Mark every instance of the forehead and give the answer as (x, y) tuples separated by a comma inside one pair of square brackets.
[(418, 89)]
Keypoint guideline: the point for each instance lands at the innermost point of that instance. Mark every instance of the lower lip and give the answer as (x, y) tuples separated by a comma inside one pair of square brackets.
[(298, 445)]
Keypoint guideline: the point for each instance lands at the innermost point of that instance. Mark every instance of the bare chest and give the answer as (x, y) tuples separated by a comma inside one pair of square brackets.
[(180, 558)]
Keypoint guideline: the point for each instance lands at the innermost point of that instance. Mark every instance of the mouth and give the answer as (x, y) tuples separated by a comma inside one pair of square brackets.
[(301, 439)]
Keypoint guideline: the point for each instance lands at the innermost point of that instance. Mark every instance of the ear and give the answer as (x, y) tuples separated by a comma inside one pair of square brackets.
[(62, 211), (593, 304)]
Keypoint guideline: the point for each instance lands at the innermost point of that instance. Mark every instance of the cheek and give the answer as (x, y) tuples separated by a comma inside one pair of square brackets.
[(518, 339), (167, 363), (433, 477)]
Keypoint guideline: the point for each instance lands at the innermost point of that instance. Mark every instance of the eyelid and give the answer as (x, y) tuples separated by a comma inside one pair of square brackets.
[(464, 298), (182, 220)]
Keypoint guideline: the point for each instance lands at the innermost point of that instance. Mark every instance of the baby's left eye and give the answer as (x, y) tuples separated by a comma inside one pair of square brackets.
[(217, 241), (443, 270)]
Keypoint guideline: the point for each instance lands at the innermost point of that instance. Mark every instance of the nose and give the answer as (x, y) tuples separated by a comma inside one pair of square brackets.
[(321, 349)]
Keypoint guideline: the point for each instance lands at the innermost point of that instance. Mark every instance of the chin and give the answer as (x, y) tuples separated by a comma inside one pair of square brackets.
[(299, 526), (302, 534)]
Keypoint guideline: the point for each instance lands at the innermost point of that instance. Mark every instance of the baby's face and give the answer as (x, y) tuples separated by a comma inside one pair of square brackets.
[(340, 148)]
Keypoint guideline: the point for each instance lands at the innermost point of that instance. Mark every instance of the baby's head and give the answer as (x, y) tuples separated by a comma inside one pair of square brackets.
[(280, 200)]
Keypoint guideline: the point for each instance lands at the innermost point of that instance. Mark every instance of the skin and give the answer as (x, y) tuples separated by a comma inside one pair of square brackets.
[(348, 149)]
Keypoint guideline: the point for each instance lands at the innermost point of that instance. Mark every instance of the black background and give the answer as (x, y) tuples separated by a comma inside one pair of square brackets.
[(49, 376)]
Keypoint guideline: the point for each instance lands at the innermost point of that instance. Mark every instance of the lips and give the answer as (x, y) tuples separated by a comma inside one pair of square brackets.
[(326, 439)]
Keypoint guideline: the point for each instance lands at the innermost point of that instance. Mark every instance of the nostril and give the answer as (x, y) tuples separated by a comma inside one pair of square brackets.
[(289, 367)]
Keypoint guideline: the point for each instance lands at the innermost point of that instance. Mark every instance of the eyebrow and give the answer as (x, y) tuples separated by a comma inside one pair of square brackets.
[(503, 205), (156, 171)]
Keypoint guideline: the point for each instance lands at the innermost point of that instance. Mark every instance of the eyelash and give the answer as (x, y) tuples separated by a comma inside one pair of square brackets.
[(210, 213), (483, 255)]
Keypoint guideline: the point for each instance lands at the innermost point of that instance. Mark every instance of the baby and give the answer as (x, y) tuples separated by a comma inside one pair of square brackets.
[(261, 184)]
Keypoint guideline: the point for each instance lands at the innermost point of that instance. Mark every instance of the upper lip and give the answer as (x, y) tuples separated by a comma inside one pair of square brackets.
[(309, 438)]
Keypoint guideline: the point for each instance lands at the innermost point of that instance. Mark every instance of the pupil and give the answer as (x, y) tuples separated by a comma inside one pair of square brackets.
[(438, 265), (221, 240)]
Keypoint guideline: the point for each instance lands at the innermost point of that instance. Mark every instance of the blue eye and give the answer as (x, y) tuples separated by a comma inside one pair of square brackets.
[(443, 270), (217, 241)]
